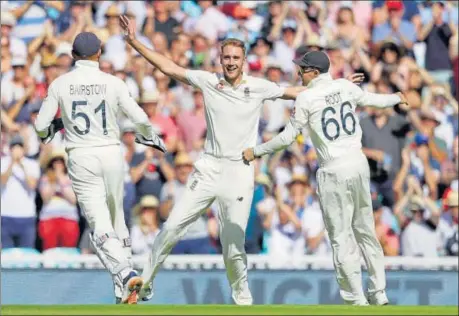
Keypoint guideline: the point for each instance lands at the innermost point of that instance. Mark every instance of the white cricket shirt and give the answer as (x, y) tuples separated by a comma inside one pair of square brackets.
[(90, 100), (327, 109), (232, 113)]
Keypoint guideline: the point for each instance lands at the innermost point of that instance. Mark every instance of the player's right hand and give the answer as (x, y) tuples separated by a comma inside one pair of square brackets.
[(248, 155), (128, 27), (356, 78)]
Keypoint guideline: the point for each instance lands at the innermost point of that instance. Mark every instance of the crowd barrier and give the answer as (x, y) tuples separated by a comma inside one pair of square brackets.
[(194, 279)]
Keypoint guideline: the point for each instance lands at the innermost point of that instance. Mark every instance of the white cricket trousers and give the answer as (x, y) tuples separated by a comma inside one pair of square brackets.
[(97, 175), (344, 194), (231, 184)]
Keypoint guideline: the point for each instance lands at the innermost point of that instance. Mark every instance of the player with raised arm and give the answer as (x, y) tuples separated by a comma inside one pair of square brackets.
[(232, 108), (327, 108), (90, 100)]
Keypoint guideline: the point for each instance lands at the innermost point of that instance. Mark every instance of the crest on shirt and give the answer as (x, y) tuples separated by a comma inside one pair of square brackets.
[(219, 86), (246, 92)]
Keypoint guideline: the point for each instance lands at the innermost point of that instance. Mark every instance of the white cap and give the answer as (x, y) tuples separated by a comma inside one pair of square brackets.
[(7, 18), (346, 4), (150, 96), (64, 48), (19, 61), (250, 4)]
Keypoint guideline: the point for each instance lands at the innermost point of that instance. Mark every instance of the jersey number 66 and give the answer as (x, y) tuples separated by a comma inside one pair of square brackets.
[(344, 121)]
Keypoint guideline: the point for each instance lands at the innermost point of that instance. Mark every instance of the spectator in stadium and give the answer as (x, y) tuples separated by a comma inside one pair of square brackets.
[(167, 104), (436, 33), (317, 241), (260, 53), (31, 16), (386, 236), (397, 29), (445, 108), (17, 90), (212, 23), (423, 229), (64, 57), (137, 9), (452, 203), (383, 134), (276, 113), (347, 31), (286, 241), (274, 14), (15, 46), (287, 36), (196, 240), (146, 226), (167, 128), (254, 231), (437, 147), (192, 123), (58, 224), (159, 19), (19, 178), (129, 148), (283, 165), (149, 171), (49, 66), (389, 58)]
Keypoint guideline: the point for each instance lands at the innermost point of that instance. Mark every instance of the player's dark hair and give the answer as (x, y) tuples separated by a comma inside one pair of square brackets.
[(233, 42)]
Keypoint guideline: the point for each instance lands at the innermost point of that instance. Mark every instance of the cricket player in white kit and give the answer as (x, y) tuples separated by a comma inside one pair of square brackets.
[(233, 102), (327, 108), (90, 100)]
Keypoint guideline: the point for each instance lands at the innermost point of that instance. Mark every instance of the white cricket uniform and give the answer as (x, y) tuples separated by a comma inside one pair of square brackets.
[(90, 100), (327, 109), (232, 116)]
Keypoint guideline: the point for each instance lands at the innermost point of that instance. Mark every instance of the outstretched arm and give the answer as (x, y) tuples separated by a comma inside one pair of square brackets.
[(292, 92), (279, 142), (161, 62), (365, 98), (285, 138)]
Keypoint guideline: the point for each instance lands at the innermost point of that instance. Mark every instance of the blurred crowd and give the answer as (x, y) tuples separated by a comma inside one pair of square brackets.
[(408, 46)]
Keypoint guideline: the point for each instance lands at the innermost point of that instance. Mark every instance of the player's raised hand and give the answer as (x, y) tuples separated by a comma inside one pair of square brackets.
[(248, 155), (128, 27), (404, 103), (356, 78)]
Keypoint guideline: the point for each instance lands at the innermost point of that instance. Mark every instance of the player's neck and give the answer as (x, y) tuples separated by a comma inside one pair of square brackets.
[(235, 82)]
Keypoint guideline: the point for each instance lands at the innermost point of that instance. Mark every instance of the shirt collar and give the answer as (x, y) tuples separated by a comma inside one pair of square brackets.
[(321, 79), (87, 63), (226, 83)]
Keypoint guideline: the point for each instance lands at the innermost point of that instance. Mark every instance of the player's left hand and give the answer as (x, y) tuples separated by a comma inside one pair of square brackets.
[(248, 155), (155, 142), (356, 78)]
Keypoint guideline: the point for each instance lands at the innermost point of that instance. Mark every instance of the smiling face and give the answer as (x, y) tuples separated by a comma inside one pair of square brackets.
[(232, 59)]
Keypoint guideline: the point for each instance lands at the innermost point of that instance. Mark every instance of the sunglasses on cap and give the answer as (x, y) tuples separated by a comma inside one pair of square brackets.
[(305, 70)]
